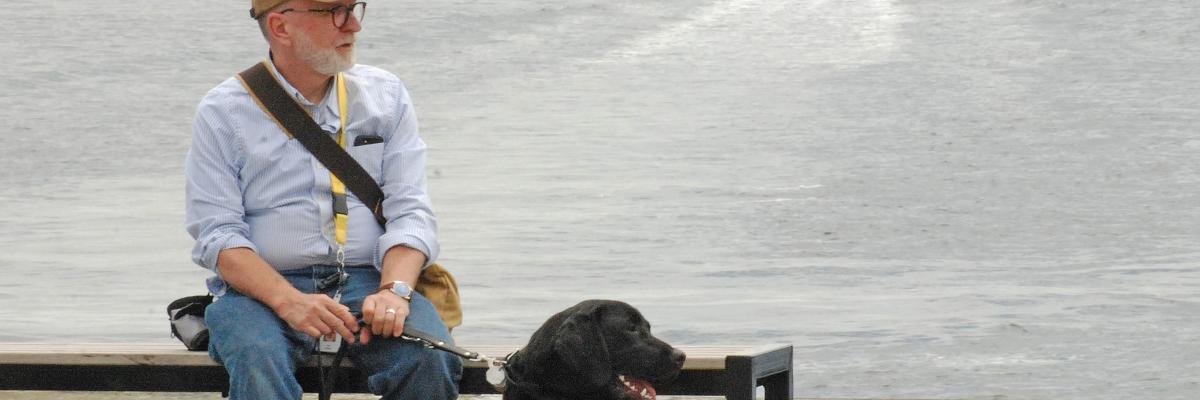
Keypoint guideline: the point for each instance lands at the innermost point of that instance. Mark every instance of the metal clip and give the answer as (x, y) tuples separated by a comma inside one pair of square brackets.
[(334, 281), (495, 375), (341, 257)]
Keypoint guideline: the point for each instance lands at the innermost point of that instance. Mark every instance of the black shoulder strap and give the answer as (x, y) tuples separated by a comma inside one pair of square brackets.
[(296, 122)]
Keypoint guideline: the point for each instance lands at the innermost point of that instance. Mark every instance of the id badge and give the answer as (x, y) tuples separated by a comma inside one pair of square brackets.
[(331, 346)]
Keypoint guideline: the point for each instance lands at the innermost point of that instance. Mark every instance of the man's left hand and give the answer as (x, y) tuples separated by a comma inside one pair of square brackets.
[(381, 322)]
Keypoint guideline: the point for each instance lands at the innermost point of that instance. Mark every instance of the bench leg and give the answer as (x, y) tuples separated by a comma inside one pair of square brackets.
[(778, 386), (746, 373), (741, 383), (741, 392)]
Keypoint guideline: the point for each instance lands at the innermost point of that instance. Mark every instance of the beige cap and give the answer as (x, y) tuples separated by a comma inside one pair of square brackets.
[(259, 6)]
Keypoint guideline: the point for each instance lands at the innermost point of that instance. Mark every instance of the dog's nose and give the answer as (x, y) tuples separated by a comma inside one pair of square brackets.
[(677, 357)]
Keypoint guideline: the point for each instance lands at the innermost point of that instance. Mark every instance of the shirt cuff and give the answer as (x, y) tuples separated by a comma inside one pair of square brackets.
[(232, 241), (216, 284), (387, 242)]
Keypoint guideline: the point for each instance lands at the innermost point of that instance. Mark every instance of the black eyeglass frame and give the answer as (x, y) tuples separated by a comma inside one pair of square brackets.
[(333, 11)]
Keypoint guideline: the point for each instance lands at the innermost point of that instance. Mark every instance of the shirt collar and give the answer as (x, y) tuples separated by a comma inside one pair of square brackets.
[(329, 102)]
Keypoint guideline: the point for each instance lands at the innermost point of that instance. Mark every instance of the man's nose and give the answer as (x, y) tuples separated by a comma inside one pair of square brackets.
[(352, 24)]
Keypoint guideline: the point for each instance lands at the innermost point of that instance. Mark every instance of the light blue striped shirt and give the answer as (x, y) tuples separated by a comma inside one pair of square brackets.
[(249, 185)]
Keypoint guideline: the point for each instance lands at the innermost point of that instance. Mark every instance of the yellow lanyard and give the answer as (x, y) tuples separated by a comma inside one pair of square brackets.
[(341, 209)]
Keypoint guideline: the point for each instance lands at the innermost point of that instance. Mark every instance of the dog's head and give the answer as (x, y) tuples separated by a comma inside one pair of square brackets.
[(601, 348)]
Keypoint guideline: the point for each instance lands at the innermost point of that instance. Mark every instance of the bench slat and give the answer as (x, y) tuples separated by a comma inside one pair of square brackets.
[(173, 354), (730, 371)]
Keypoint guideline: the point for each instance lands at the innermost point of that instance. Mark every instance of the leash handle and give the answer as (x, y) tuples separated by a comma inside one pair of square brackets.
[(429, 340)]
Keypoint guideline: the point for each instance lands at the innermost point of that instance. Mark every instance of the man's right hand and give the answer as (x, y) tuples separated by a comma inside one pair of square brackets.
[(314, 314), (318, 315)]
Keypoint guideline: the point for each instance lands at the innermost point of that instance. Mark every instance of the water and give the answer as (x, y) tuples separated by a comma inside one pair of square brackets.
[(971, 199)]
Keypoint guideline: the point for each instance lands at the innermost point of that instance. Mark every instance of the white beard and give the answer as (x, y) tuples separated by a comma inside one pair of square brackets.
[(326, 61)]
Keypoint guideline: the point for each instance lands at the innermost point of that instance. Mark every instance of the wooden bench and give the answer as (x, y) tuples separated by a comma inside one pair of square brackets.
[(733, 372)]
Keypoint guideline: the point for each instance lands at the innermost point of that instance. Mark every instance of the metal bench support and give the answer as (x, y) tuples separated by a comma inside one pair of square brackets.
[(771, 369)]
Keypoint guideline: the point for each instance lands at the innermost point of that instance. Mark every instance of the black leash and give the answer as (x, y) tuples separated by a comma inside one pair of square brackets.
[(430, 341), (497, 368), (497, 373), (337, 281), (327, 383)]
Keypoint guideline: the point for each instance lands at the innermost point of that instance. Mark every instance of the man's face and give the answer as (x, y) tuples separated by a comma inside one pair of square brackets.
[(323, 47)]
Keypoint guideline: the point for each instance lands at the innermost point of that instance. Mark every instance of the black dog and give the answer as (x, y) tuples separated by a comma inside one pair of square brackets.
[(597, 349)]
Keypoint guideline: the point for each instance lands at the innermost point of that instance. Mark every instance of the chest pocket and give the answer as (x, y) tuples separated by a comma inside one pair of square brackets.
[(370, 156)]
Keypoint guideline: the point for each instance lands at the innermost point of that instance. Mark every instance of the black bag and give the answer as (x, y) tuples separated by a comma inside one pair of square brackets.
[(187, 321)]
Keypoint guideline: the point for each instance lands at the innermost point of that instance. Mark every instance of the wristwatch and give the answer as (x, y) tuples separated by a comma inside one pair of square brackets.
[(400, 288)]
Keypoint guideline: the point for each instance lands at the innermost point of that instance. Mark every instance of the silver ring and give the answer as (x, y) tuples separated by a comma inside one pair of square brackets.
[(390, 311)]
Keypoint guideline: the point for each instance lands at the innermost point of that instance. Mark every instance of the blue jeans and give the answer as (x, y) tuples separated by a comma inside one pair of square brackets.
[(261, 352)]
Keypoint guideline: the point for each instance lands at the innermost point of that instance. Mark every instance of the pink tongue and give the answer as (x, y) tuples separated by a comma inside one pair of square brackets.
[(637, 385)]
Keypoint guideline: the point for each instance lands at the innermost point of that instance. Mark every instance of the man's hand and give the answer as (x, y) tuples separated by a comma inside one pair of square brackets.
[(314, 314), (318, 315), (383, 323)]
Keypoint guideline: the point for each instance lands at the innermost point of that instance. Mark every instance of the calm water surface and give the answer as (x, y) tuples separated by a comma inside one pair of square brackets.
[(969, 199)]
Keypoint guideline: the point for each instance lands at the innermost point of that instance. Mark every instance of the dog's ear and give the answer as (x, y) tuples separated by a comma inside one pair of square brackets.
[(579, 345)]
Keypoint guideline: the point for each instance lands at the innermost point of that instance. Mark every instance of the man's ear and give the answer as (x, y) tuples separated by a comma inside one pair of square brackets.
[(277, 29)]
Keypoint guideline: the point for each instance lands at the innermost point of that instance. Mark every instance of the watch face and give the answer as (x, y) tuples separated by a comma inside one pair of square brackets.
[(401, 289)]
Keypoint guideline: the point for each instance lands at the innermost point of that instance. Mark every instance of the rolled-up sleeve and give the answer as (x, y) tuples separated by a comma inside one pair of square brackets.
[(213, 198), (406, 204)]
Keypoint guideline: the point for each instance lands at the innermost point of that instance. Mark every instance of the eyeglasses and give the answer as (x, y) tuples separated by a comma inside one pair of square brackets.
[(339, 13)]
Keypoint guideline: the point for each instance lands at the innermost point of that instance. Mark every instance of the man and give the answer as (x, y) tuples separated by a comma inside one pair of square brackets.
[(261, 209)]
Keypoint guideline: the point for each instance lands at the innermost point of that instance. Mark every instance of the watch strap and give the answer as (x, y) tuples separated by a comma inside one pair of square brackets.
[(389, 286)]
